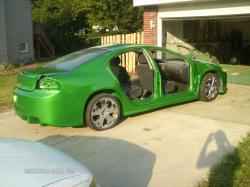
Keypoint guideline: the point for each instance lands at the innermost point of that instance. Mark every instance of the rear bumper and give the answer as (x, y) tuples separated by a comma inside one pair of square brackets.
[(55, 108)]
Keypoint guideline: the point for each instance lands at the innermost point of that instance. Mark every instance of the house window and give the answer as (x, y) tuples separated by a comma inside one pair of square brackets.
[(23, 47)]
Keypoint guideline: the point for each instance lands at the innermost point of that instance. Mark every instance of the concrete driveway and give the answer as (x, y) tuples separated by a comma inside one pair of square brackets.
[(170, 147)]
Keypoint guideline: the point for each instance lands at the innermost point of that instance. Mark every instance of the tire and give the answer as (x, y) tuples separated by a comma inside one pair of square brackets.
[(103, 112), (209, 88)]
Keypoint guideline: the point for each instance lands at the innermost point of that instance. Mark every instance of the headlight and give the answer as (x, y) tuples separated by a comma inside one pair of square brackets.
[(48, 84)]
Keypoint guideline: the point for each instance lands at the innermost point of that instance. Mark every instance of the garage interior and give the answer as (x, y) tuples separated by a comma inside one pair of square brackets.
[(226, 38)]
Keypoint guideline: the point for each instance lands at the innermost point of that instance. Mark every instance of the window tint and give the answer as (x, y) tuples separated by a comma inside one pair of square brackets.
[(73, 60)]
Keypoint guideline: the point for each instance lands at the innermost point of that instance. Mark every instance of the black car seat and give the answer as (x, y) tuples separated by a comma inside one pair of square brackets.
[(133, 91), (176, 75), (170, 87), (145, 74)]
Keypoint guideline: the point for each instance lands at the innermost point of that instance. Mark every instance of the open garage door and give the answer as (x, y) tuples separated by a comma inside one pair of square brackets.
[(218, 27), (226, 38)]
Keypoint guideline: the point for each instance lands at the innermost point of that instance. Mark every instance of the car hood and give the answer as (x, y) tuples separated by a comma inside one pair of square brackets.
[(28, 79), (31, 164), (196, 55)]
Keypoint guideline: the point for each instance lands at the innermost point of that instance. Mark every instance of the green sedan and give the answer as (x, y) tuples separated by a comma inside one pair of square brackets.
[(100, 85)]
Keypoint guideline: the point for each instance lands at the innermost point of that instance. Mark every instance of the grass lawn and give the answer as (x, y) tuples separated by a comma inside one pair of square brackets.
[(237, 74), (7, 82), (233, 170)]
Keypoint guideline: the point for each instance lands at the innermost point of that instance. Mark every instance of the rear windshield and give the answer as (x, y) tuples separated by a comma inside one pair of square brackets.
[(73, 60)]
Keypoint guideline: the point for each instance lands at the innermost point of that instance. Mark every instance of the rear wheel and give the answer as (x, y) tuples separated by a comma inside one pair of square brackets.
[(209, 88), (103, 112)]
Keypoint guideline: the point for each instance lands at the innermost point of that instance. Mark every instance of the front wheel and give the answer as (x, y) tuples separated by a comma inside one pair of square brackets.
[(209, 88), (103, 112)]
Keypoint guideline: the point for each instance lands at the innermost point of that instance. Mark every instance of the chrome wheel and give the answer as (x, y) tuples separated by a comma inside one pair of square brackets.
[(104, 112), (211, 88)]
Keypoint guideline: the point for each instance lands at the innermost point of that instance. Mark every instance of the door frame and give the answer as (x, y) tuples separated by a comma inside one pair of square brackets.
[(174, 96)]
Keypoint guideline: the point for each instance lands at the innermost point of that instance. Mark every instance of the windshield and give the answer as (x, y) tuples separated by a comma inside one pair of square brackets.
[(73, 60)]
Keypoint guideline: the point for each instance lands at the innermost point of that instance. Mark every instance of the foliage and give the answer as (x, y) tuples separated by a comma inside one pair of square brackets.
[(62, 24), (69, 23), (110, 13)]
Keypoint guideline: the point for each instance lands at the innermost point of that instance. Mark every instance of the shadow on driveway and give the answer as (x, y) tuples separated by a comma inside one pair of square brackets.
[(114, 162), (222, 171), (208, 158)]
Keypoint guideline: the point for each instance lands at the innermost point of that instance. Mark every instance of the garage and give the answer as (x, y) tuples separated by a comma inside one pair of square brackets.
[(227, 39), (219, 28)]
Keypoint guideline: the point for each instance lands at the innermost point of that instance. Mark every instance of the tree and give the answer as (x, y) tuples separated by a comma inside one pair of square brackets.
[(69, 23), (64, 26), (110, 14)]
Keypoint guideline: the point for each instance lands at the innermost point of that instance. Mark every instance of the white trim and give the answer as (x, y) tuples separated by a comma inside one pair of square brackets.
[(206, 12), (204, 9), (161, 2), (159, 32)]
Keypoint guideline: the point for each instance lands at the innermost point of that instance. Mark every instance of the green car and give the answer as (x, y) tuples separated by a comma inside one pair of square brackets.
[(100, 85)]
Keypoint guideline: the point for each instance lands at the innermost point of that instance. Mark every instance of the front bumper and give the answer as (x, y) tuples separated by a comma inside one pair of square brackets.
[(223, 87), (55, 108)]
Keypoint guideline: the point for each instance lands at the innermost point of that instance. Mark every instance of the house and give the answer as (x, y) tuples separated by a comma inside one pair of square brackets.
[(216, 26), (16, 31)]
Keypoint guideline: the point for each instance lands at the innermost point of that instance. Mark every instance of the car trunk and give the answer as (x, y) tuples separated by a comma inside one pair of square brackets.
[(28, 80)]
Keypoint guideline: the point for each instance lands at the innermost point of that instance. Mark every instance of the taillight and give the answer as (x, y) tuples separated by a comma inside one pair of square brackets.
[(48, 83)]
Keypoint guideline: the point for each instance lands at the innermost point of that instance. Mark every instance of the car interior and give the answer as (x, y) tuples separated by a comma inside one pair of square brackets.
[(130, 86), (140, 85), (174, 71), (145, 75)]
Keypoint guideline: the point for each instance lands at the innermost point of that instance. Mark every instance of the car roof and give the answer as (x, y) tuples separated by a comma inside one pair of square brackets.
[(118, 47), (115, 47)]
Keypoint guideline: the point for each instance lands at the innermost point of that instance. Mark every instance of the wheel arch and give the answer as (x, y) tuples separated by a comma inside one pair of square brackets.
[(108, 91), (211, 71)]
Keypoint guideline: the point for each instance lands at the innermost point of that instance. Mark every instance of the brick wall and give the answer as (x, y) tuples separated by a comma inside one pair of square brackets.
[(150, 34)]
